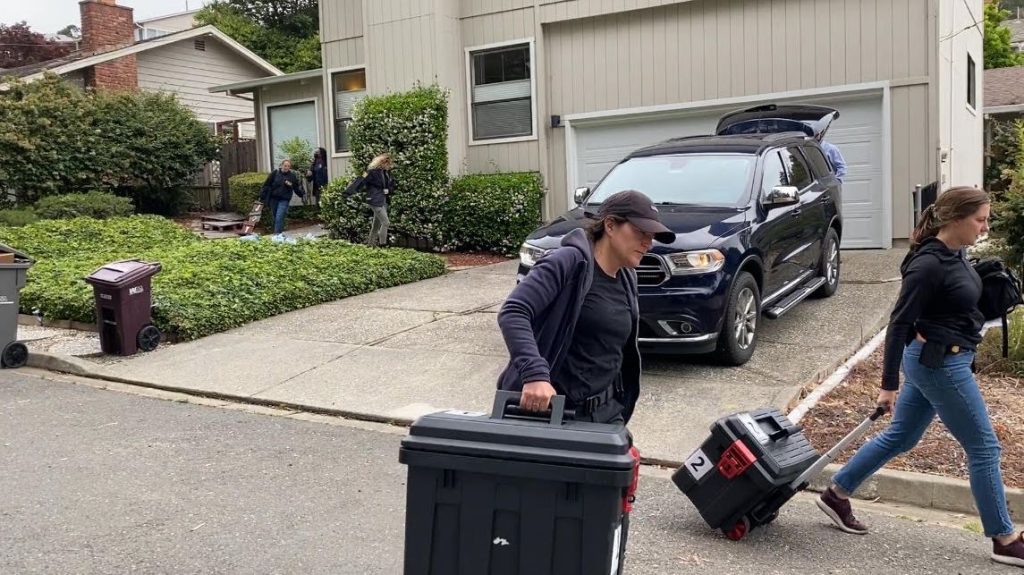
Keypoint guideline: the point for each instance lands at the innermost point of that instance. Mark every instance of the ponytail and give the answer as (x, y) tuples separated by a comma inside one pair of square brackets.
[(926, 228)]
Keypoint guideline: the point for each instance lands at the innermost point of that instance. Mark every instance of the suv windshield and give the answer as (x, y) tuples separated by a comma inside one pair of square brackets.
[(685, 179)]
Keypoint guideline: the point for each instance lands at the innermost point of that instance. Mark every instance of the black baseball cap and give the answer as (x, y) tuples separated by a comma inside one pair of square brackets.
[(638, 210)]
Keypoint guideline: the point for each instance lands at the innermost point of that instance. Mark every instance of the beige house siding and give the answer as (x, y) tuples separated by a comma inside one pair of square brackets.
[(189, 73), (343, 53), (490, 27), (706, 50), (172, 23), (470, 8), (310, 89), (340, 19)]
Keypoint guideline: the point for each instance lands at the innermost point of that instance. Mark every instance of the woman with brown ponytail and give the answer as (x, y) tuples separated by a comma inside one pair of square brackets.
[(934, 330)]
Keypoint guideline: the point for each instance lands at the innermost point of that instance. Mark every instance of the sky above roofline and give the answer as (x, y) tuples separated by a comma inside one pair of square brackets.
[(48, 16)]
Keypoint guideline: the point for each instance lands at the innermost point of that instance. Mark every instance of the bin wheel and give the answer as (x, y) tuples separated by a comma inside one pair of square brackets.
[(738, 531), (15, 355), (148, 338), (771, 518)]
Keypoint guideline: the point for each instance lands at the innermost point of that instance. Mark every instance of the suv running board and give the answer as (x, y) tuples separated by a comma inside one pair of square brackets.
[(801, 293)]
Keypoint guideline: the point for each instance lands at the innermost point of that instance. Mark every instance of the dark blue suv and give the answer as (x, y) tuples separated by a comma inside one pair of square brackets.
[(756, 212)]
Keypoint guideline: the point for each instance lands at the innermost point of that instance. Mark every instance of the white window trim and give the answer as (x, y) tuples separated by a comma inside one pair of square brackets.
[(967, 79), (329, 97), (265, 117), (533, 92)]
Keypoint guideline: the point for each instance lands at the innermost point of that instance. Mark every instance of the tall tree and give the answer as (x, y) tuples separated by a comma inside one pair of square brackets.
[(283, 32), (20, 46), (999, 52)]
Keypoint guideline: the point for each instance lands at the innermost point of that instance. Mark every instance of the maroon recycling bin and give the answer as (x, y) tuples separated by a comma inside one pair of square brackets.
[(124, 306)]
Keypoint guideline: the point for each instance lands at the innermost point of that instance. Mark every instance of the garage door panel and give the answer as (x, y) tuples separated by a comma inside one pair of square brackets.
[(857, 133)]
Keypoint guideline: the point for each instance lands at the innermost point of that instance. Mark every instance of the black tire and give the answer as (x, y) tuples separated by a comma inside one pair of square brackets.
[(738, 338), (15, 355), (148, 338), (828, 267)]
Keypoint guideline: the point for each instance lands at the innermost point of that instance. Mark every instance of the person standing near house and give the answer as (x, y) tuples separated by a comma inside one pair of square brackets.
[(835, 157), (571, 324), (317, 174), (277, 191), (379, 185), (933, 332)]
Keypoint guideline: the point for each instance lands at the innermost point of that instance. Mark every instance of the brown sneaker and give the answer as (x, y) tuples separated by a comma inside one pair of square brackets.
[(840, 512), (1012, 554)]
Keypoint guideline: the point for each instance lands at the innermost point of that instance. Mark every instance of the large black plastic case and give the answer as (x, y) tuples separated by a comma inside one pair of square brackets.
[(504, 494)]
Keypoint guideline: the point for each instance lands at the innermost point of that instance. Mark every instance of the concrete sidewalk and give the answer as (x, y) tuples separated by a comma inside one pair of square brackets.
[(398, 353)]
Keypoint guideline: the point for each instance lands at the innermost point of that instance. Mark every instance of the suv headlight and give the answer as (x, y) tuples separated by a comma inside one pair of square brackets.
[(697, 262), (529, 254)]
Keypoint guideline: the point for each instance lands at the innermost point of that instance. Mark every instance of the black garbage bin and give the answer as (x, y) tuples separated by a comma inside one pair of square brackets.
[(505, 494), (13, 268), (124, 306)]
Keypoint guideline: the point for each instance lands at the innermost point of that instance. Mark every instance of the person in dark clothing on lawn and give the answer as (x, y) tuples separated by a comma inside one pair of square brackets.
[(934, 331), (317, 174), (277, 193), (571, 324), (379, 185)]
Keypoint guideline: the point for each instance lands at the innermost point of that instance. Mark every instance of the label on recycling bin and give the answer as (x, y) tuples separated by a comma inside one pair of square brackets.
[(106, 296), (136, 290), (615, 550), (4, 300), (698, 464)]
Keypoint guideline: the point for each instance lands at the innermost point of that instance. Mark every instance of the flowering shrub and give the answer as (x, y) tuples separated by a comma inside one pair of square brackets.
[(413, 127), (493, 211)]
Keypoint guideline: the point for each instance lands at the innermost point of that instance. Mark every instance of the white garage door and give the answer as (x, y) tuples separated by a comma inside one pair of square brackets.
[(857, 133)]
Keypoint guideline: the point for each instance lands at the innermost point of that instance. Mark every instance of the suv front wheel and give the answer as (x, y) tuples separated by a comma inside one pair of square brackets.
[(738, 338)]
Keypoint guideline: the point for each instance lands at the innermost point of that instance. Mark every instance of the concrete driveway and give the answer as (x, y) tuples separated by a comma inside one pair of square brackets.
[(395, 354)]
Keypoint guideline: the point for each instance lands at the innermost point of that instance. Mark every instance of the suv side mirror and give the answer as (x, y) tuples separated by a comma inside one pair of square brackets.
[(782, 196), (580, 195)]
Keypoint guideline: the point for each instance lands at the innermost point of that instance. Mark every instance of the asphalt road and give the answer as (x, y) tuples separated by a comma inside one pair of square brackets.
[(101, 481)]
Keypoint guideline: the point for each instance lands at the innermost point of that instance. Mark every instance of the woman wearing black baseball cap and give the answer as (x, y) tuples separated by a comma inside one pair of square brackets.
[(571, 324)]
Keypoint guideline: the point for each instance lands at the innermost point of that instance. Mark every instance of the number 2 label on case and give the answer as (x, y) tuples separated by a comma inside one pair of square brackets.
[(698, 464)]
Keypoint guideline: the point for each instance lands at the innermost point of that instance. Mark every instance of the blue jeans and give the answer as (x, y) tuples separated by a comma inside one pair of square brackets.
[(280, 210), (952, 393)]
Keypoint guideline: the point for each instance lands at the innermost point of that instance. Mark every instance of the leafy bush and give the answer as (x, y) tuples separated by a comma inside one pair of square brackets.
[(299, 151), (413, 127), (17, 218), (1008, 208), (1002, 154), (205, 287), (493, 211), (99, 205), (144, 145), (244, 189)]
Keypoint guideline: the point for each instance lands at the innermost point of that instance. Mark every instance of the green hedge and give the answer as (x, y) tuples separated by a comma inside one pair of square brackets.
[(493, 211), (17, 218), (244, 189), (1008, 209), (205, 286), (99, 205), (413, 127)]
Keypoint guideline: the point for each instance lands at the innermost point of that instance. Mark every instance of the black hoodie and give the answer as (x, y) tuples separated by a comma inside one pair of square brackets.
[(939, 300)]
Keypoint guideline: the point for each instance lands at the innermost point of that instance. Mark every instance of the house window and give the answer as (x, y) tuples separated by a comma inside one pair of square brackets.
[(349, 88), (502, 92), (972, 96)]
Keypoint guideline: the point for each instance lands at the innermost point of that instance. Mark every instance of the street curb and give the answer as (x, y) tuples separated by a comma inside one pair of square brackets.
[(81, 368), (920, 490)]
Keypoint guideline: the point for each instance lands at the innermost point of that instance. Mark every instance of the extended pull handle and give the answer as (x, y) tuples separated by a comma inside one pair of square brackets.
[(506, 403)]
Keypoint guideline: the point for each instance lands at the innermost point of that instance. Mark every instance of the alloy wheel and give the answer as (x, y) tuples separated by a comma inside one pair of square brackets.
[(832, 264), (745, 321)]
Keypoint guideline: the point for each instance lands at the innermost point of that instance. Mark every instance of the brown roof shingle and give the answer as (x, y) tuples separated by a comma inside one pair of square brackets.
[(1004, 86)]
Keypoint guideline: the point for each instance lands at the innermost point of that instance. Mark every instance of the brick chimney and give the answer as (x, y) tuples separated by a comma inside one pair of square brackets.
[(107, 26)]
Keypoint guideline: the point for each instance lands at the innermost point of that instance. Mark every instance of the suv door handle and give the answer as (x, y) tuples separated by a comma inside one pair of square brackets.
[(796, 212)]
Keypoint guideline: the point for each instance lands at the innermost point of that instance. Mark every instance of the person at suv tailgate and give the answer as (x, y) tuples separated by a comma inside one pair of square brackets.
[(571, 324)]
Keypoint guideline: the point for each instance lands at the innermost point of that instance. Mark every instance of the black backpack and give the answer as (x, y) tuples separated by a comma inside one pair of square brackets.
[(1000, 293)]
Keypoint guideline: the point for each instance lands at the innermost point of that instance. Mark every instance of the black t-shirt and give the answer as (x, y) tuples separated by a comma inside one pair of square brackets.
[(594, 358)]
